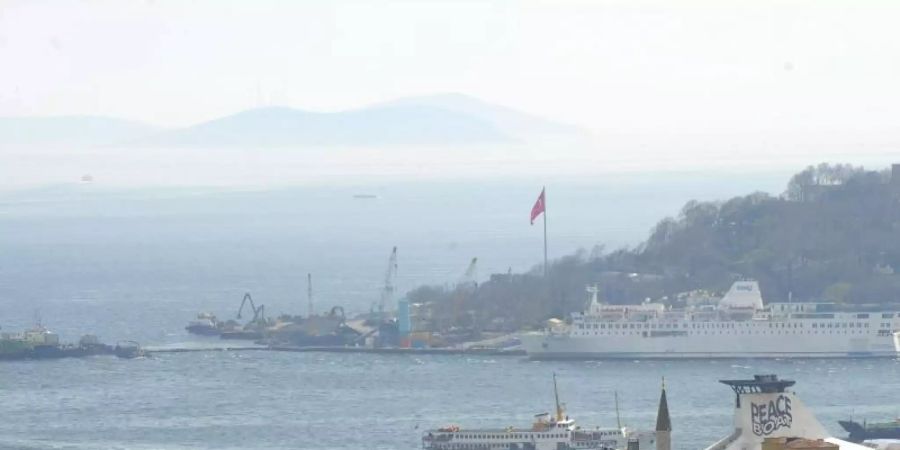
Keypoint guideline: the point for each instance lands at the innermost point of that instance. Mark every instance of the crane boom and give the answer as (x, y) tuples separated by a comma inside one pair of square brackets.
[(257, 312), (387, 293), (243, 302), (470, 275)]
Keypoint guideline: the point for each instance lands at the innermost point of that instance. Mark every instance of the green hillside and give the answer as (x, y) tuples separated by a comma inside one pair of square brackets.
[(833, 235)]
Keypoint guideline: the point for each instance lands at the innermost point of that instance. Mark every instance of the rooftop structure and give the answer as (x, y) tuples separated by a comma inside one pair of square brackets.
[(769, 417)]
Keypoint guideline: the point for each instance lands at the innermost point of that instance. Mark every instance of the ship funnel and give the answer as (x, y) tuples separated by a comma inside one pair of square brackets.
[(743, 295)]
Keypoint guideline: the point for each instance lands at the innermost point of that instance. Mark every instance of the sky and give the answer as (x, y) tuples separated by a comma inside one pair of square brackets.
[(610, 66)]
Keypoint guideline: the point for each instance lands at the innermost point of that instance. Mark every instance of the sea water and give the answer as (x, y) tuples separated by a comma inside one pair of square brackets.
[(274, 400), (140, 264)]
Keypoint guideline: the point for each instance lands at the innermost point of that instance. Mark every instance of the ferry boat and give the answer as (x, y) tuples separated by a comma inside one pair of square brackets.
[(546, 433), (767, 416), (738, 325)]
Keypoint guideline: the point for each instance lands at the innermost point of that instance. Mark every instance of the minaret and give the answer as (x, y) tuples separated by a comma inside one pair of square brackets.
[(663, 423)]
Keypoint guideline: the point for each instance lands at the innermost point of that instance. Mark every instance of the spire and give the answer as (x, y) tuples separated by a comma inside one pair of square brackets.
[(663, 423)]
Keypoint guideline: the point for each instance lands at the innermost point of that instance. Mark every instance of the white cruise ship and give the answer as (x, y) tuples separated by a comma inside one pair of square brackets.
[(738, 325)]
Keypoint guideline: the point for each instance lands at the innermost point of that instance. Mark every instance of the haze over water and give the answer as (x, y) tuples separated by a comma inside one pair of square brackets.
[(161, 158)]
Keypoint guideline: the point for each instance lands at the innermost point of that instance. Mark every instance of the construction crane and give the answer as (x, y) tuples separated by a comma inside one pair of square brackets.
[(468, 278), (258, 313), (466, 288), (387, 292)]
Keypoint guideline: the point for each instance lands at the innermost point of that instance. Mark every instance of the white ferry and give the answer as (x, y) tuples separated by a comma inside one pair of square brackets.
[(738, 325), (546, 433)]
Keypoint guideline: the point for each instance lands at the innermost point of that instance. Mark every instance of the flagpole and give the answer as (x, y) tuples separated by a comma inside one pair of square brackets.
[(544, 190)]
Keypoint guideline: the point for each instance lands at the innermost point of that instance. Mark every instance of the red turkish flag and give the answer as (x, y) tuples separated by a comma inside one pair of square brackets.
[(538, 207)]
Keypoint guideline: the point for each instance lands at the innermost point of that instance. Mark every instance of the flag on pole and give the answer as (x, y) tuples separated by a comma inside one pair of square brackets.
[(538, 207)]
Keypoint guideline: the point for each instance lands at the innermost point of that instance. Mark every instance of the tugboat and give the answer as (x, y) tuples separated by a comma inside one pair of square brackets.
[(546, 433), (862, 432), (206, 324)]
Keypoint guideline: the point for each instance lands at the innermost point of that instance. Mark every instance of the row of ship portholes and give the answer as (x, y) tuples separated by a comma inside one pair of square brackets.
[(512, 436), (512, 446), (729, 326), (730, 333)]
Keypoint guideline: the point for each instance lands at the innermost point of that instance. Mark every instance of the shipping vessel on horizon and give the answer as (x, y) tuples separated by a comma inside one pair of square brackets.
[(739, 325)]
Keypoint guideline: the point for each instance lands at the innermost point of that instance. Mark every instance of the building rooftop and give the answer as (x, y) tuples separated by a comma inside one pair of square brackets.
[(765, 384)]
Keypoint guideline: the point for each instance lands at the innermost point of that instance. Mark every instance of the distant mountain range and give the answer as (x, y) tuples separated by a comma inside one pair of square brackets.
[(445, 119)]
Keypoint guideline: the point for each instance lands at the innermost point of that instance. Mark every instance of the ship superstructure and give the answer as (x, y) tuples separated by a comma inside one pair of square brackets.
[(739, 325)]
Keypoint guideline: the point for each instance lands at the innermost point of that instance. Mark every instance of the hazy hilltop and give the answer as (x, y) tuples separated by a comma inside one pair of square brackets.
[(287, 127), (831, 236), (438, 120), (510, 121), (70, 131)]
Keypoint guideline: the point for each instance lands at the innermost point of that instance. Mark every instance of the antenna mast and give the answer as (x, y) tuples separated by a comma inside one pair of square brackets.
[(309, 294), (618, 418), (559, 411)]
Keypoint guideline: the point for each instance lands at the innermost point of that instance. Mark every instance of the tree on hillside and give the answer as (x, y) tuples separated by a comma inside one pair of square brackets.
[(834, 235)]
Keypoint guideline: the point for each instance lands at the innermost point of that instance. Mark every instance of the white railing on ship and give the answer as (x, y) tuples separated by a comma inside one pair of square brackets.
[(724, 442)]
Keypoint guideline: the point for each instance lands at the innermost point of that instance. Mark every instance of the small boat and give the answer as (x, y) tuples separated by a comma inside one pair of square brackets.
[(205, 325), (866, 431), (128, 350)]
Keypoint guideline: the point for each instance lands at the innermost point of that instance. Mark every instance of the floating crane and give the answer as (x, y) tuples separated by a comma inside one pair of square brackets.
[(258, 313), (387, 292)]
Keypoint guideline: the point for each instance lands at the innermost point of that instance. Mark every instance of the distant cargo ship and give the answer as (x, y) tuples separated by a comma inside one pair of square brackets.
[(41, 343), (738, 325)]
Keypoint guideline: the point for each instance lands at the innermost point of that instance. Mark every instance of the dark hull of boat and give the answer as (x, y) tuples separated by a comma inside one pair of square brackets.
[(203, 330), (244, 335), (56, 352), (859, 433)]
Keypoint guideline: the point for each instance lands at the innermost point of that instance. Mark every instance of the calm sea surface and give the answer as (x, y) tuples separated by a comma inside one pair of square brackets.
[(140, 264), (262, 400)]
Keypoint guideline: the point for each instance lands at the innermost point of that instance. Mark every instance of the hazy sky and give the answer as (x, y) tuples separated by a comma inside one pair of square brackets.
[(619, 66)]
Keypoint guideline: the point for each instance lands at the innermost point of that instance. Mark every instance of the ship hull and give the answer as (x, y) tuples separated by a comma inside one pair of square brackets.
[(203, 330), (859, 433), (55, 352), (546, 346)]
